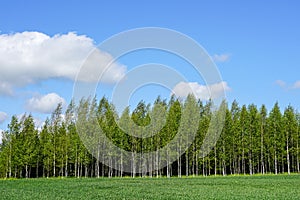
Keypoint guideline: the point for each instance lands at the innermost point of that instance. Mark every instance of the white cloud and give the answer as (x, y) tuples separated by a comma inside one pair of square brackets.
[(38, 123), (221, 57), (29, 57), (3, 117), (203, 92), (280, 83), (44, 104), (284, 85), (296, 85)]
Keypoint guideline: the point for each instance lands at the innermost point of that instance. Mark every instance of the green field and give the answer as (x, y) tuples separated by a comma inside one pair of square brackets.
[(230, 187)]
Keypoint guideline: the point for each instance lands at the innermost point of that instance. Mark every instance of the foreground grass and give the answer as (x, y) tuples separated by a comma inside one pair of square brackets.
[(231, 187)]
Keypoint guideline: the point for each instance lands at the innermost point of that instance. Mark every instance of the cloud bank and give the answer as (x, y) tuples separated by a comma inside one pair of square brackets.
[(45, 104), (214, 91), (284, 85), (29, 57)]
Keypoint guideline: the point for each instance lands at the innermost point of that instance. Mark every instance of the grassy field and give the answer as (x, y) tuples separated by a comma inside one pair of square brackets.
[(230, 187)]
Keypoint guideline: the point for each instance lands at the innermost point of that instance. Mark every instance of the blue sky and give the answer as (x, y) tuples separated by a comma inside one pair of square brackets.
[(255, 44)]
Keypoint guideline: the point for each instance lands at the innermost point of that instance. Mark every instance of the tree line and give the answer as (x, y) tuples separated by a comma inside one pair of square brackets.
[(252, 140)]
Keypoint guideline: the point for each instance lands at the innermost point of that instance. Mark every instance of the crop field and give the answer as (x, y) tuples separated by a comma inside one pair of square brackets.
[(230, 187)]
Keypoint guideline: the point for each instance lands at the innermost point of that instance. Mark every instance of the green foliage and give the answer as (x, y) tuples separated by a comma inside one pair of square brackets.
[(252, 140)]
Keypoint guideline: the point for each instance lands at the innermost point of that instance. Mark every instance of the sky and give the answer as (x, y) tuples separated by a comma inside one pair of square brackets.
[(254, 44)]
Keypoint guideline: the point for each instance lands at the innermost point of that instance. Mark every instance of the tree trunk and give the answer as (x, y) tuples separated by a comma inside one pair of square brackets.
[(208, 168), (26, 171), (132, 165), (187, 163), (250, 162), (66, 166), (223, 167), (275, 163), (157, 164), (121, 170), (179, 163), (85, 171), (61, 171), (197, 165), (215, 161), (282, 164), (75, 170), (98, 168), (230, 164), (10, 152), (239, 170), (7, 169), (37, 168), (150, 165), (297, 151), (287, 154), (194, 166), (48, 170), (80, 170), (269, 163), (168, 174), (262, 150), (54, 174), (243, 162)]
